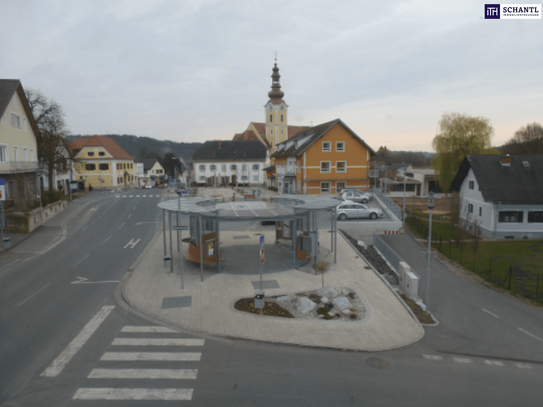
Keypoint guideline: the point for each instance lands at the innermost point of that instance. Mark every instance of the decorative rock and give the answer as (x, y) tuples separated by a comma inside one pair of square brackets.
[(342, 303), (325, 300), (346, 311), (285, 298), (320, 316), (330, 292), (305, 305)]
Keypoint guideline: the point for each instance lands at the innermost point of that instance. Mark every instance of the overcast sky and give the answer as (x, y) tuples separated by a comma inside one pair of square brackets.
[(198, 70)]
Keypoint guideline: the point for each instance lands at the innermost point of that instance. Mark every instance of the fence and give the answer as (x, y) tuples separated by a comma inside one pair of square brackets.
[(395, 209), (392, 257)]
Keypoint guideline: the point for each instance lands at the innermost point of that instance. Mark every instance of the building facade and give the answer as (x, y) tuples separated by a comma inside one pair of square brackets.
[(100, 162)]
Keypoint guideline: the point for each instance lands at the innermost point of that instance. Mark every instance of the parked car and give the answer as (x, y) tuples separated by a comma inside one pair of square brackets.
[(148, 186), (353, 210), (357, 196)]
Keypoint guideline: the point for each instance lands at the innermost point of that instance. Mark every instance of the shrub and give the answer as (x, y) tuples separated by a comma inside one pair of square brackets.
[(90, 187)]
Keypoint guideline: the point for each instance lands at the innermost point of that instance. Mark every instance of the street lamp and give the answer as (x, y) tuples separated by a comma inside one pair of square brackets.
[(405, 175), (431, 204)]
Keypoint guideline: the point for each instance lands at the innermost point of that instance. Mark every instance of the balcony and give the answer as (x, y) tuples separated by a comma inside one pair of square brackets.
[(286, 171), (19, 166)]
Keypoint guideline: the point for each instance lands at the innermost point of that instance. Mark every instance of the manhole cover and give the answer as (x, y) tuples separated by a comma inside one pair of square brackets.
[(377, 363)]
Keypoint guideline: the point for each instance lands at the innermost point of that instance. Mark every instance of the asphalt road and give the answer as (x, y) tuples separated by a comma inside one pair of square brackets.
[(42, 312)]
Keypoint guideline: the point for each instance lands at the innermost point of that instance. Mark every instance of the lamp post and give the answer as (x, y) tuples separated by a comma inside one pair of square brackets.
[(405, 175), (431, 204)]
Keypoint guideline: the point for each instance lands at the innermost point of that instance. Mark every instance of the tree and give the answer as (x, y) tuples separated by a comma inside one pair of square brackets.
[(52, 146), (321, 267), (527, 140), (459, 136)]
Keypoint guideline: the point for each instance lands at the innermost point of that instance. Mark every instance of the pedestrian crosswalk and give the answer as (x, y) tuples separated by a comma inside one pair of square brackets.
[(138, 196), (177, 363), (475, 360)]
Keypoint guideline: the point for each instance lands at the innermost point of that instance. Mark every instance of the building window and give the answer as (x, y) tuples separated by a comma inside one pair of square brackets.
[(32, 158), (202, 167), (470, 208), (24, 123), (4, 154), (341, 166), (283, 164), (340, 146), (244, 167), (90, 154), (4, 119), (104, 166), (15, 121), (340, 186), (535, 217), (471, 184), (480, 211), (325, 187), (271, 118), (159, 171), (325, 166), (281, 118), (16, 154), (223, 167), (326, 146), (299, 167), (233, 167), (510, 216), (213, 167), (255, 177), (202, 178), (256, 167), (101, 153), (25, 154), (244, 177), (90, 167)]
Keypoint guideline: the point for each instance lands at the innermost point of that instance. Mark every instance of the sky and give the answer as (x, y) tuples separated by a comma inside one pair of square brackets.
[(187, 70)]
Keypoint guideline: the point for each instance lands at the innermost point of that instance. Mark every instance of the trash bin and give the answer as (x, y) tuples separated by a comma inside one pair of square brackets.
[(167, 262), (7, 243), (260, 299)]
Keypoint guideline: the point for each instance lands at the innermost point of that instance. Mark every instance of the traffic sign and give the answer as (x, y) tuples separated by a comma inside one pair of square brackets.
[(2, 189), (262, 242), (180, 227), (262, 256)]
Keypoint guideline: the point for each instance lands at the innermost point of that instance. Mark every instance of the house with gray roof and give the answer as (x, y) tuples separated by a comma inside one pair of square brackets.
[(503, 195)]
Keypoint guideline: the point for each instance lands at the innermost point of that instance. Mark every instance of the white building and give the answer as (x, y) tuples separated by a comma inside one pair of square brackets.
[(502, 194), (237, 162)]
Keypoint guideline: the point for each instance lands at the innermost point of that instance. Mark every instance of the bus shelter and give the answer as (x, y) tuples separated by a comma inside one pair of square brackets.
[(294, 217)]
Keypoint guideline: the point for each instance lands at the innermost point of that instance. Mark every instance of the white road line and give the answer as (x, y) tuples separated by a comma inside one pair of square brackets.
[(121, 225), (85, 228), (524, 366), (147, 329), (81, 260), (124, 196), (144, 196), (107, 239), (132, 243), (134, 208), (488, 312), (129, 216), (158, 196), (155, 356), (36, 293), (143, 374), (157, 342), (7, 265), (432, 357), (131, 196), (77, 343), (461, 360), (532, 335), (494, 363), (132, 394)]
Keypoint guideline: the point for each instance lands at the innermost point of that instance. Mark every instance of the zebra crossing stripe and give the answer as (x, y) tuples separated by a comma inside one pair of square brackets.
[(147, 329), (155, 356), (432, 357), (108, 393), (461, 360), (143, 374), (494, 363), (157, 342)]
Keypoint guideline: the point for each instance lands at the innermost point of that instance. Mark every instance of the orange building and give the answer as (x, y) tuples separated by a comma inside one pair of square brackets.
[(322, 159)]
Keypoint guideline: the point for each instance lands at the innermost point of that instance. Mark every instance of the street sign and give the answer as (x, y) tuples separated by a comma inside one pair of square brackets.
[(180, 227), (262, 256), (262, 242), (2, 189)]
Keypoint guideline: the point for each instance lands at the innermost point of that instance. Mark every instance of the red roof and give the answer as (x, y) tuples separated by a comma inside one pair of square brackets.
[(111, 147), (293, 130)]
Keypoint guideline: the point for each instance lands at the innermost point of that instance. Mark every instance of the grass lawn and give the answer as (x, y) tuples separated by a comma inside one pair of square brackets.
[(441, 230)]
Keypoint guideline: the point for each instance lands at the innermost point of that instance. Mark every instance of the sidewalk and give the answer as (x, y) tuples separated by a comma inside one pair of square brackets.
[(208, 306)]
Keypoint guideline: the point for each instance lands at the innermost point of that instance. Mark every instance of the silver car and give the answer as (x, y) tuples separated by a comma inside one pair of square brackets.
[(356, 196), (353, 210)]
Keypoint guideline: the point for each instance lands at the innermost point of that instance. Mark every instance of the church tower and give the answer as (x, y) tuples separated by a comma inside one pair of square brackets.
[(276, 111)]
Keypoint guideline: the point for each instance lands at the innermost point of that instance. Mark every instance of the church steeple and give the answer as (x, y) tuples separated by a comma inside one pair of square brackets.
[(276, 95), (276, 111)]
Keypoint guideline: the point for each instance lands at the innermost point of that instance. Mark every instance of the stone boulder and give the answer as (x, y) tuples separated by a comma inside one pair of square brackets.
[(341, 303), (324, 300), (305, 305), (329, 292), (286, 298)]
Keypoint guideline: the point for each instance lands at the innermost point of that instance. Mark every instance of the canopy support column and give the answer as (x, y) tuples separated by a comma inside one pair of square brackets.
[(171, 244), (164, 229), (201, 249), (218, 245)]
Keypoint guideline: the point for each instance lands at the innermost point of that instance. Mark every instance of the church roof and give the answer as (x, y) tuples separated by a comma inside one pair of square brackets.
[(231, 150)]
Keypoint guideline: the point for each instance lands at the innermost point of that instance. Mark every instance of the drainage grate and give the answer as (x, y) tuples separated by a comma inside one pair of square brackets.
[(241, 237), (266, 284), (176, 302)]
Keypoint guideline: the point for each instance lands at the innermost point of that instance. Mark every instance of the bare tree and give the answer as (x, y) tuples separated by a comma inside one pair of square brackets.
[(52, 146), (527, 140)]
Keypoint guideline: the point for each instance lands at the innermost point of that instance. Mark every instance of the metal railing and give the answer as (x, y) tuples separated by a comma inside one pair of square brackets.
[(395, 209), (290, 171), (17, 166), (392, 257)]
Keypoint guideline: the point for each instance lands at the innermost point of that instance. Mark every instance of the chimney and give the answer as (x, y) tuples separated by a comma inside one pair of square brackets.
[(505, 160)]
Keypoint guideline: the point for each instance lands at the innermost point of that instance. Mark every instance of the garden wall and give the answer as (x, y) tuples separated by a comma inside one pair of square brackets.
[(27, 222)]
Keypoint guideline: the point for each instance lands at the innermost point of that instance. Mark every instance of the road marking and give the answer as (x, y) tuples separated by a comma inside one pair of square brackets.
[(129, 216), (110, 236), (461, 360), (124, 196), (141, 223), (36, 293), (147, 329), (432, 357), (92, 210), (532, 335), (134, 208), (81, 260), (131, 196), (494, 363), (137, 196), (157, 342), (143, 374), (488, 312), (152, 356), (524, 365), (121, 225), (10, 264), (132, 243), (85, 227), (117, 196), (158, 196), (132, 394), (83, 280), (144, 196), (77, 343)]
